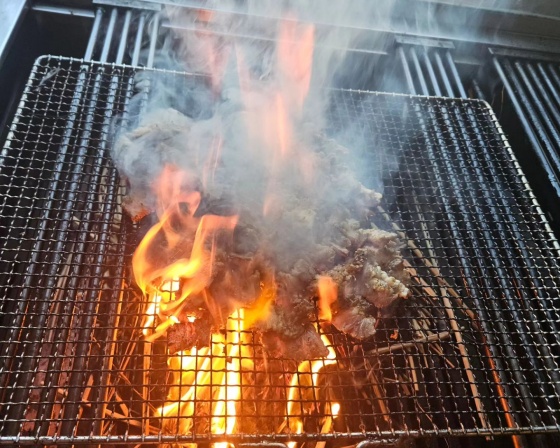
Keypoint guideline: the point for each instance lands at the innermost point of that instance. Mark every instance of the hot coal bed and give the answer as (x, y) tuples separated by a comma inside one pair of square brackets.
[(472, 351)]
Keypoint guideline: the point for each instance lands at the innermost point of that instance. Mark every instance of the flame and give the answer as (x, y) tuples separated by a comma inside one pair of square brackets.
[(295, 58), (210, 374), (175, 260), (170, 253), (274, 109), (335, 409), (328, 292), (303, 387)]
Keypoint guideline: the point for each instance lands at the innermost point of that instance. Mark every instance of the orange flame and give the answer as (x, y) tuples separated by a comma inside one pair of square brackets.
[(170, 253), (303, 387), (328, 292), (295, 58), (176, 258)]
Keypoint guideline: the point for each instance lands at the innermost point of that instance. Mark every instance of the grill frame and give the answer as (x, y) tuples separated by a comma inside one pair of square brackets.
[(89, 89)]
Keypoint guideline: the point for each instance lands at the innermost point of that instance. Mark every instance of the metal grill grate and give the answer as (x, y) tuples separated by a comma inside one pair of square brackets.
[(531, 81), (473, 351)]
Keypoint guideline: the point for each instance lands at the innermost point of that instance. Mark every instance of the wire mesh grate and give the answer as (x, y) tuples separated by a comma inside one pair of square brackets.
[(474, 350)]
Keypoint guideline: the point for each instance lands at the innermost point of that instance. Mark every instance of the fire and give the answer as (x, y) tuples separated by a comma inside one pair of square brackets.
[(210, 374), (175, 260), (303, 388), (328, 291), (295, 58)]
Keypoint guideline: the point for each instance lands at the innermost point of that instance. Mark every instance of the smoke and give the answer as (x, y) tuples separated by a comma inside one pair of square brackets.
[(252, 127)]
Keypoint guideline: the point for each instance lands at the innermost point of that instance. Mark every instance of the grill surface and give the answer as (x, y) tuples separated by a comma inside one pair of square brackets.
[(483, 313)]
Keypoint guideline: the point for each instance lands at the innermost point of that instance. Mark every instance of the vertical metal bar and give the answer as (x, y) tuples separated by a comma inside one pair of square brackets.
[(138, 41), (463, 255), (431, 72), (473, 164), (93, 35), (552, 82), (546, 119), (406, 70), (109, 36), (52, 377), (477, 90), (443, 75), (546, 153), (153, 39), (545, 96), (124, 37), (455, 74), (490, 244), (553, 71), (419, 73), (457, 237)]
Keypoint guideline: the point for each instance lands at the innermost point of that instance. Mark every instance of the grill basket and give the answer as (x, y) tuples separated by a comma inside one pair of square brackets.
[(473, 351)]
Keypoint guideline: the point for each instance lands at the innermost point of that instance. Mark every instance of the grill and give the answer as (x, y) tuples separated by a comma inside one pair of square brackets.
[(474, 351), (531, 82)]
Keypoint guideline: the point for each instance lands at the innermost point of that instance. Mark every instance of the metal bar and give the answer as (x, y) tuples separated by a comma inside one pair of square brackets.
[(63, 10), (113, 313), (432, 73), (93, 35), (455, 74), (553, 70), (478, 170), (406, 70), (549, 161), (153, 39), (385, 437), (443, 75), (109, 36), (124, 37), (546, 119), (231, 34), (400, 26), (138, 41), (552, 81), (29, 355), (419, 73), (513, 305), (477, 90), (490, 244), (517, 53)]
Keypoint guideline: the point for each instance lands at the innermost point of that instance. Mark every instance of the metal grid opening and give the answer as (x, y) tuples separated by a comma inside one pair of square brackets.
[(473, 351)]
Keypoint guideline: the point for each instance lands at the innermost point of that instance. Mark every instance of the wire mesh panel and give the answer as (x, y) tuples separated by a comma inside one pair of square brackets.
[(474, 350)]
